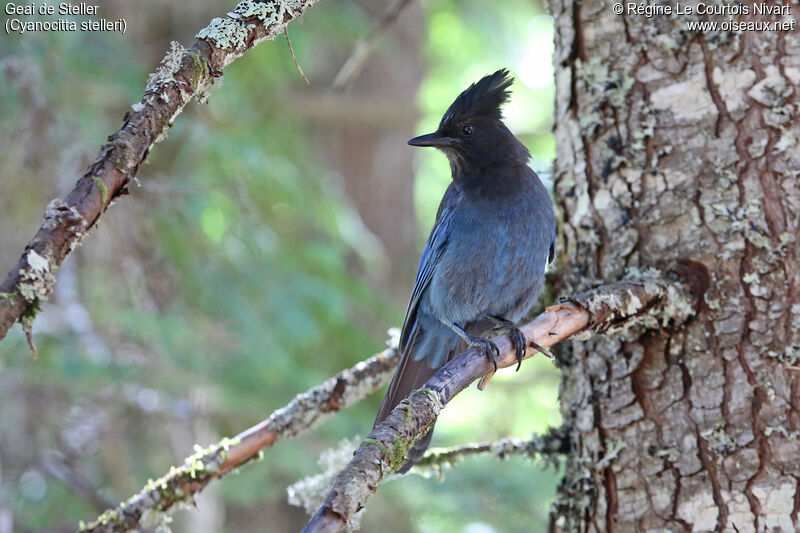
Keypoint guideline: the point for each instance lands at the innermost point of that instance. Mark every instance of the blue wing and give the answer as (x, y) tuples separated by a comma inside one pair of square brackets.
[(437, 241)]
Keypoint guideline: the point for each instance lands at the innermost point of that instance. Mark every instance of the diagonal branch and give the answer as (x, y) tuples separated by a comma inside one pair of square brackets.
[(305, 411), (645, 303), (185, 74)]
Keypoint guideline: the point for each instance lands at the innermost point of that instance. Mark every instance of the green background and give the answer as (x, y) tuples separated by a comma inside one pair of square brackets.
[(272, 242)]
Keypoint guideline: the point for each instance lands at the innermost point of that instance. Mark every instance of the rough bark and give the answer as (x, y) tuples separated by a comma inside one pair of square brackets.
[(681, 146), (185, 74), (619, 308)]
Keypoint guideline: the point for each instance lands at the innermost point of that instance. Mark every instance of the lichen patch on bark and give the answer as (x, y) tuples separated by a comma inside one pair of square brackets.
[(694, 161)]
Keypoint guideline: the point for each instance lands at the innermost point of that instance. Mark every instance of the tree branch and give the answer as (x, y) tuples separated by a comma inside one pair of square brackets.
[(185, 74), (555, 441), (150, 505), (310, 492), (649, 302)]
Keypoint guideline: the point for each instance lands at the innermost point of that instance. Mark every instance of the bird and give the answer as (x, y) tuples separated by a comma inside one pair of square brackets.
[(483, 265)]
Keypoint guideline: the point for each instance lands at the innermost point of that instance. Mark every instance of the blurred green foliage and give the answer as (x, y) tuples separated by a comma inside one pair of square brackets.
[(240, 274)]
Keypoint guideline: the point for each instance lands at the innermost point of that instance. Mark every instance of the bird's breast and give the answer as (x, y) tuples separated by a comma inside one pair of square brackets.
[(493, 263)]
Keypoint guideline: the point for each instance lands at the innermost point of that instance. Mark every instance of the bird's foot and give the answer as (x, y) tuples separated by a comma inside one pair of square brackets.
[(485, 346), (517, 339)]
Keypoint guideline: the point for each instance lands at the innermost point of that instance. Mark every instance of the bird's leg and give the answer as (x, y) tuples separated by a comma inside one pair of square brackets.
[(517, 338), (486, 346)]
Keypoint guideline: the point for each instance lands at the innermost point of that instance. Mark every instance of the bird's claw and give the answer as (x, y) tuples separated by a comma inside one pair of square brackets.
[(487, 347), (518, 342), (516, 337)]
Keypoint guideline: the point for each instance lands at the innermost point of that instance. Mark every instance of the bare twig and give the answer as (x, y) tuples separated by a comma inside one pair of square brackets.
[(61, 466), (27, 327), (184, 75), (649, 302), (361, 52), (556, 441), (294, 57), (303, 412)]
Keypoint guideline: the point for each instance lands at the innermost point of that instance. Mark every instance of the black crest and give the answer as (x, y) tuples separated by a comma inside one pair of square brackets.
[(482, 98)]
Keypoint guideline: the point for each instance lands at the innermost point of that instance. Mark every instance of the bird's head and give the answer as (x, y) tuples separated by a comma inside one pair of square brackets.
[(472, 130)]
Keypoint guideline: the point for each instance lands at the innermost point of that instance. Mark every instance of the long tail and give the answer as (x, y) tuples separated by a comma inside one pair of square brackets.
[(428, 348)]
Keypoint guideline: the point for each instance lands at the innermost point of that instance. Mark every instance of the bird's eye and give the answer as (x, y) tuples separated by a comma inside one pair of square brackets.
[(467, 130)]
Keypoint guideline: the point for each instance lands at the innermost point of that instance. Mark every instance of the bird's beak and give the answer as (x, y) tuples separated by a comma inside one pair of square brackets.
[(431, 139)]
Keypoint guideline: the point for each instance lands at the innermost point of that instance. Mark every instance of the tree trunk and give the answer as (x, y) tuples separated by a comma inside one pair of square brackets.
[(679, 147)]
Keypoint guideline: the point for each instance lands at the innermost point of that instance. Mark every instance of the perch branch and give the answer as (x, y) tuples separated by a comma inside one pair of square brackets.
[(185, 74), (644, 303), (148, 507)]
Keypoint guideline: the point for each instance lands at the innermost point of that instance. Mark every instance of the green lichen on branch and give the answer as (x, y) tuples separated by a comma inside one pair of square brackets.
[(395, 453), (377, 443), (103, 188), (150, 506), (400, 447), (200, 70), (433, 395)]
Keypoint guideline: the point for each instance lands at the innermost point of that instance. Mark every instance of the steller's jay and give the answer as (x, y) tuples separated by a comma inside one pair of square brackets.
[(483, 265)]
